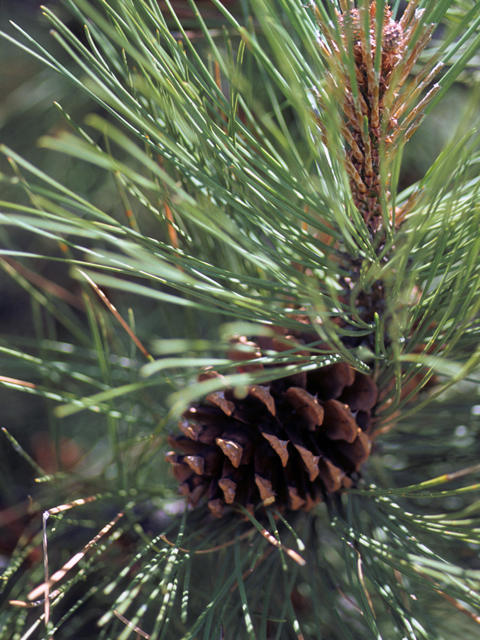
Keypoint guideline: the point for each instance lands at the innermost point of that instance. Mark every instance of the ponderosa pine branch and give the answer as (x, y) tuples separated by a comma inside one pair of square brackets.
[(257, 178)]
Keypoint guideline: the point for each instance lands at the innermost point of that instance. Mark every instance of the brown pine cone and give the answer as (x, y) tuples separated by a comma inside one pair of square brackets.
[(287, 442)]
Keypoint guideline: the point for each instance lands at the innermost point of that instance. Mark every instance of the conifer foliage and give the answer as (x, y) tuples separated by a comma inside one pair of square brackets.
[(312, 325)]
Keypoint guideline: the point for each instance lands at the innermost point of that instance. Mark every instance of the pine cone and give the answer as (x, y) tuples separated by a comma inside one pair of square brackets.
[(288, 442)]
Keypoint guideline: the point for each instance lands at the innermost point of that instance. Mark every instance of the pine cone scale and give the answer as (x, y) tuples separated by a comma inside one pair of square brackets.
[(279, 446), (306, 406), (339, 423), (196, 464), (232, 450), (330, 475), (263, 395), (267, 495)]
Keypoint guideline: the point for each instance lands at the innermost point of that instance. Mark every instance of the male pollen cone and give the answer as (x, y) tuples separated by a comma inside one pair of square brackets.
[(287, 442)]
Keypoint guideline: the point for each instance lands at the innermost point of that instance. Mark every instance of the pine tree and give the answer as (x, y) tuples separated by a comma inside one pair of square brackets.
[(315, 326)]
